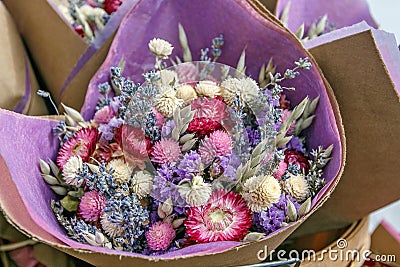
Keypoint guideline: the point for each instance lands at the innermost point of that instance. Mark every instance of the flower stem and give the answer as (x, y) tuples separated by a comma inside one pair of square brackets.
[(17, 245)]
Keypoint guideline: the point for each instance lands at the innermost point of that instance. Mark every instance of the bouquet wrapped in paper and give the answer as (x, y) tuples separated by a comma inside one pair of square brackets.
[(51, 30), (133, 176), (18, 81)]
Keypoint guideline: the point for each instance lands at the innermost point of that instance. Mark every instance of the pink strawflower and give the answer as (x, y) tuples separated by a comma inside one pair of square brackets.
[(166, 151), (209, 108), (91, 206), (225, 217), (104, 115), (82, 143), (281, 170), (160, 235), (222, 142)]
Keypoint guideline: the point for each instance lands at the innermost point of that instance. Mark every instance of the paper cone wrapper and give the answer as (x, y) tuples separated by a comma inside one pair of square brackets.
[(363, 66), (25, 198), (18, 83), (63, 59)]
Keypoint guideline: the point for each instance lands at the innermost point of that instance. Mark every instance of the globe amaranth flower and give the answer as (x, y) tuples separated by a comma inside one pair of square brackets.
[(214, 108), (246, 88), (208, 89), (122, 171), (104, 115), (203, 126), (297, 158), (186, 93), (166, 151), (196, 192), (110, 6), (167, 102), (91, 206), (82, 143), (261, 192), (222, 142), (160, 235), (71, 170), (225, 217), (160, 48), (297, 187), (142, 183)]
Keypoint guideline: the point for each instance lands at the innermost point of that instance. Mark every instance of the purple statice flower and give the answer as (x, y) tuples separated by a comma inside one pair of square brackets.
[(190, 165), (296, 144), (253, 135), (270, 99), (270, 220), (165, 185), (167, 128), (107, 130)]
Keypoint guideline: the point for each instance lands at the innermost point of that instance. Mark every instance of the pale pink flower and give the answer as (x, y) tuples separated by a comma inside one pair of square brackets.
[(160, 235), (281, 170), (187, 72), (222, 142), (214, 108), (104, 115), (166, 151)]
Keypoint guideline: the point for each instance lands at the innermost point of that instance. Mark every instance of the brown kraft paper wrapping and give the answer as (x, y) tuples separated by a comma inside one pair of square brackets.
[(370, 108), (16, 74)]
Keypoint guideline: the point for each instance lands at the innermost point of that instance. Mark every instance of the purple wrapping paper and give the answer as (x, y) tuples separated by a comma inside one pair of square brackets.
[(341, 13), (242, 27)]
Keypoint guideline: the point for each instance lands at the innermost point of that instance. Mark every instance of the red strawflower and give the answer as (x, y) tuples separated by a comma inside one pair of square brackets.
[(110, 6), (204, 126), (298, 158), (283, 102), (79, 30), (225, 217), (82, 143)]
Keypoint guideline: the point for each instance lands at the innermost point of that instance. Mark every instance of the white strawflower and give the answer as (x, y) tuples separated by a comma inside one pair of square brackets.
[(142, 183), (261, 192), (160, 48), (167, 102), (196, 192), (186, 93), (122, 171), (113, 230), (246, 88), (70, 170), (208, 88), (297, 187)]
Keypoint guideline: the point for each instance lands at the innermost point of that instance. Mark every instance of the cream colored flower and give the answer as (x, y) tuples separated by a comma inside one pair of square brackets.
[(70, 170), (113, 230), (167, 77), (167, 102), (246, 88), (208, 88), (122, 171), (261, 192), (160, 48), (186, 93), (142, 183), (297, 187), (196, 192)]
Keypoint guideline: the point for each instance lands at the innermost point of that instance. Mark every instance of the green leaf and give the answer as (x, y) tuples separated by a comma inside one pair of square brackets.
[(69, 203)]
